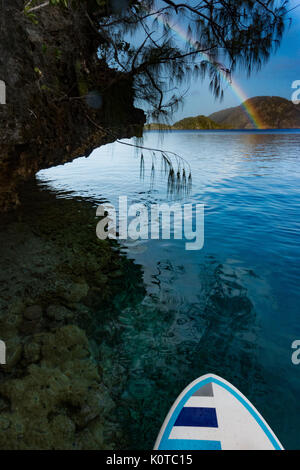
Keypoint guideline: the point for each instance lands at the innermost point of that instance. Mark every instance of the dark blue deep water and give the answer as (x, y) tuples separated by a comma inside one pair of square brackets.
[(232, 308)]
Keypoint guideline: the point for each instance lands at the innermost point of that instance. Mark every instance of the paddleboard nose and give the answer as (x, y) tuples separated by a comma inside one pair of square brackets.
[(212, 414)]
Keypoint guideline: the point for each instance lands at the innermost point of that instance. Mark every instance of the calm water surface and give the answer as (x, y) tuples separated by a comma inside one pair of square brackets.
[(231, 308)]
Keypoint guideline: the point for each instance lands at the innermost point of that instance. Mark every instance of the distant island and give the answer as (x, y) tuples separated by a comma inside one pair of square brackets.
[(272, 112), (189, 123)]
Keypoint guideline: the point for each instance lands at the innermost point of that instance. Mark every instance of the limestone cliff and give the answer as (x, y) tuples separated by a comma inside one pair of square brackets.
[(62, 100)]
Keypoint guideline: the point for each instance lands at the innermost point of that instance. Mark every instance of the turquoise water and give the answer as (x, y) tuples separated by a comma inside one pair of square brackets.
[(232, 308)]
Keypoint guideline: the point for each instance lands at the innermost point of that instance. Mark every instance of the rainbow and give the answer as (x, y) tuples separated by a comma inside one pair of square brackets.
[(244, 99)]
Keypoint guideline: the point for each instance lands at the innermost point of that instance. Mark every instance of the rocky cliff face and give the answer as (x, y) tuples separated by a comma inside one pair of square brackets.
[(58, 282), (62, 100)]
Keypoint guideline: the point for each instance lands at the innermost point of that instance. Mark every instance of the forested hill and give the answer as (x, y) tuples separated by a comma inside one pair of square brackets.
[(272, 112), (197, 122), (189, 123)]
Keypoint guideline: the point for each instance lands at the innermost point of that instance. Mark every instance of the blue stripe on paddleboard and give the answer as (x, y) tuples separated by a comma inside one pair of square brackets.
[(234, 393), (197, 417), (190, 444)]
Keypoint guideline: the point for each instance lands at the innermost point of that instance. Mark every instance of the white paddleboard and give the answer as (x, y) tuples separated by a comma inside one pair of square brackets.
[(211, 414)]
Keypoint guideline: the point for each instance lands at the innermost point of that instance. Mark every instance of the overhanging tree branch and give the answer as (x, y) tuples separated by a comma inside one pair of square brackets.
[(220, 36)]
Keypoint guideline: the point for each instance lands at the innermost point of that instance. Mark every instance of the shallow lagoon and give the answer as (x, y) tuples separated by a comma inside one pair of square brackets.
[(231, 308)]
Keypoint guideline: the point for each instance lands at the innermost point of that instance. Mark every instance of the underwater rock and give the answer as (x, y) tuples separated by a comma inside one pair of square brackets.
[(33, 313), (58, 313), (32, 352), (54, 297), (14, 351), (56, 399), (75, 292)]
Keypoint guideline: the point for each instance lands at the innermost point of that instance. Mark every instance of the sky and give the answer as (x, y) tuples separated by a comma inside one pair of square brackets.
[(274, 79)]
